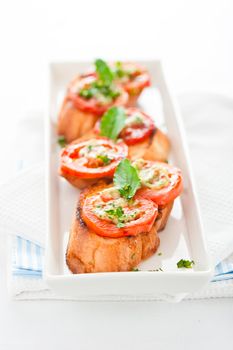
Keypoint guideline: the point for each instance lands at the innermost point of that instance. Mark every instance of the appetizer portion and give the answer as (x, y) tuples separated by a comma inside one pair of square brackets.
[(89, 97), (85, 162), (113, 228), (137, 130), (133, 78), (161, 183), (109, 214)]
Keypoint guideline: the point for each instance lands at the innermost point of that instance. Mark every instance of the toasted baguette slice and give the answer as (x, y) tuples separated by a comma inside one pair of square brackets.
[(73, 123), (81, 183), (88, 252), (163, 216), (156, 147), (133, 99)]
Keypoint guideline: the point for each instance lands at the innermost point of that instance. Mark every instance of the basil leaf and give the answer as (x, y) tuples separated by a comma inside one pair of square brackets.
[(104, 72), (126, 179), (112, 122)]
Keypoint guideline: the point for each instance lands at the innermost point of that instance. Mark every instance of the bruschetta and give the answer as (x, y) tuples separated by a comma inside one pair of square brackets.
[(109, 233), (88, 98), (84, 163), (133, 78), (138, 131), (162, 183)]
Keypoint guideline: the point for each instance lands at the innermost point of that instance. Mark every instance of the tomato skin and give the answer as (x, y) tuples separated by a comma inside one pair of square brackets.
[(135, 136), (166, 194), (74, 165), (130, 135), (107, 229), (92, 105), (138, 82)]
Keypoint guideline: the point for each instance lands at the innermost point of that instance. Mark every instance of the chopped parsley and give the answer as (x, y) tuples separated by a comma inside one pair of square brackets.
[(88, 92), (120, 225), (118, 216), (119, 71), (117, 213), (89, 148), (105, 159), (113, 122), (103, 86), (185, 263), (138, 120), (62, 141), (159, 254), (135, 269), (97, 89), (126, 179)]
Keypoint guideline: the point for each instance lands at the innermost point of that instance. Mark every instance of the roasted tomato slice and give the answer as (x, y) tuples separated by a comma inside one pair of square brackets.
[(139, 126), (109, 215), (87, 98), (132, 76), (161, 182), (95, 158)]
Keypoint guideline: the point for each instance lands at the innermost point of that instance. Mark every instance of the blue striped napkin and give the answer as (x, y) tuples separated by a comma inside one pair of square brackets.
[(27, 261), (27, 258), (224, 270)]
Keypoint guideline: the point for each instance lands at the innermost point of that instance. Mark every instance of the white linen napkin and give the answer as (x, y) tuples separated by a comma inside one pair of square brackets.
[(209, 123)]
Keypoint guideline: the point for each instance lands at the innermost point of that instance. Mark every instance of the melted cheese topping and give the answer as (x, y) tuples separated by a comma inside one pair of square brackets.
[(97, 151), (134, 120), (110, 206), (154, 177)]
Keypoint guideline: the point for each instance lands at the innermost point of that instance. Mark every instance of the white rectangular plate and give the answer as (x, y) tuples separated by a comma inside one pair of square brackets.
[(182, 237)]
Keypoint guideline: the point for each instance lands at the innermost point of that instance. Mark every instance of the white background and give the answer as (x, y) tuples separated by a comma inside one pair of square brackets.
[(195, 41)]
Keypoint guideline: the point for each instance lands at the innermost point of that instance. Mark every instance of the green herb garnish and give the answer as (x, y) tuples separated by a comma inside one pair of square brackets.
[(117, 213), (119, 71), (104, 72), (105, 159), (62, 141), (103, 88), (113, 122), (185, 263), (126, 179), (135, 269), (120, 225), (159, 254), (88, 92)]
